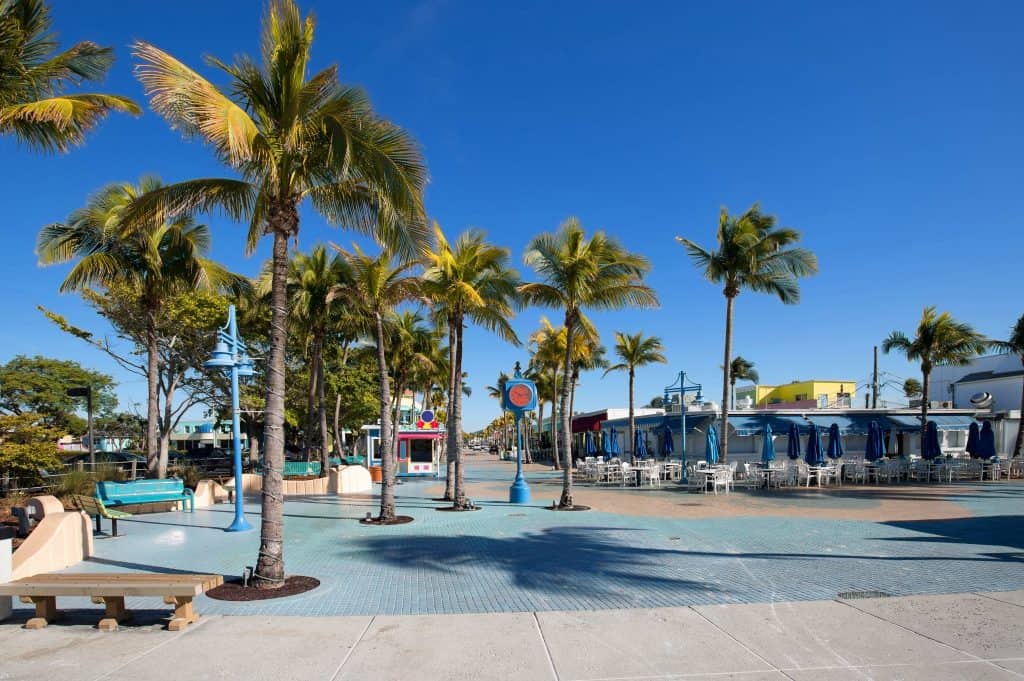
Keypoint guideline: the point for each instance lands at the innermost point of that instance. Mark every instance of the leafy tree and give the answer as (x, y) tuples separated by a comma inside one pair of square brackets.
[(35, 77), (39, 385), (633, 351), (579, 273), (741, 370), (939, 339), (469, 280), (290, 137), (1015, 345), (27, 444), (657, 402), (752, 253), (355, 388), (185, 327), (148, 264), (121, 425)]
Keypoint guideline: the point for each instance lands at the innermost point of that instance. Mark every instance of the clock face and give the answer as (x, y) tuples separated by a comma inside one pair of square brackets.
[(520, 395)]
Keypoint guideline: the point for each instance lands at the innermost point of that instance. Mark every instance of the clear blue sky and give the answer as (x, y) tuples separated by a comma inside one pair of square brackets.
[(889, 133)]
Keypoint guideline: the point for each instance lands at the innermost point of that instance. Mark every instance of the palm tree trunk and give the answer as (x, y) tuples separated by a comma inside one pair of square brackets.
[(926, 375), (461, 502), (1018, 445), (269, 573), (311, 392), (387, 487), (723, 437), (540, 417), (325, 438), (337, 424), (453, 437), (570, 338), (572, 405), (152, 398), (554, 419), (632, 417)]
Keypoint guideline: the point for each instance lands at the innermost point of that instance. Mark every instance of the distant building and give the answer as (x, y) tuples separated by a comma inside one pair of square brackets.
[(813, 394), (189, 435), (1001, 376)]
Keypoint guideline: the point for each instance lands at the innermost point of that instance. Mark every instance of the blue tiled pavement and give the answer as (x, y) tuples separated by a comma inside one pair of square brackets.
[(506, 558)]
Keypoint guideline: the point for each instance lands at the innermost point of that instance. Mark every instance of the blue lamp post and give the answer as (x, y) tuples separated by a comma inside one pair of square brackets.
[(681, 387), (230, 354), (519, 396)]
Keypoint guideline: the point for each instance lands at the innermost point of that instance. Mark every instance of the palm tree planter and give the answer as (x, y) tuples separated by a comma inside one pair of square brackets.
[(752, 254), (635, 351), (579, 273), (939, 339), (289, 137)]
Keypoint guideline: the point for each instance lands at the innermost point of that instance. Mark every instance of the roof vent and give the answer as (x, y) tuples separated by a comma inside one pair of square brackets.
[(982, 400)]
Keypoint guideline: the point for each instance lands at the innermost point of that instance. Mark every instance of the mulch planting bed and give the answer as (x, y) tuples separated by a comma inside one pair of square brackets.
[(233, 590), (399, 520)]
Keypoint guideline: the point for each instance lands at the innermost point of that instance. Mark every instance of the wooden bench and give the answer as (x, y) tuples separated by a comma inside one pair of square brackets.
[(143, 492), (111, 588), (95, 508)]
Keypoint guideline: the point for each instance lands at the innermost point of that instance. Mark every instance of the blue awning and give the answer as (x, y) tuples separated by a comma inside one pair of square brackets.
[(848, 425), (942, 421), (753, 424)]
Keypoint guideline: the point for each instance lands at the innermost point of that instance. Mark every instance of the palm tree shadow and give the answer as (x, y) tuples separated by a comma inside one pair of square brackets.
[(587, 562), (993, 530)]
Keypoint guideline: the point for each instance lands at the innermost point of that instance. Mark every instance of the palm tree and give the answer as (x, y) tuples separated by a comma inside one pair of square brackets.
[(548, 345), (939, 340), (379, 283), (412, 345), (468, 281), (158, 258), (752, 254), (495, 392), (741, 370), (290, 137), (1015, 345), (635, 351), (579, 273), (34, 78)]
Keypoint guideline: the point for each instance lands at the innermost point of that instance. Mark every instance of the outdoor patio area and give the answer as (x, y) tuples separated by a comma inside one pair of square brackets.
[(638, 548)]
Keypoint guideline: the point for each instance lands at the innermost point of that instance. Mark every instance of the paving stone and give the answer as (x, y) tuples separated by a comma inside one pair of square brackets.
[(976, 624), (824, 634), (1015, 597), (956, 671), (636, 643)]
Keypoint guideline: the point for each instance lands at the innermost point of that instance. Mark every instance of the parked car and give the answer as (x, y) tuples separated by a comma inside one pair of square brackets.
[(122, 460), (207, 458), (493, 449)]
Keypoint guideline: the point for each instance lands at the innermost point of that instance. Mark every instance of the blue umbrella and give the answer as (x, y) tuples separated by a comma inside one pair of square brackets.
[(931, 449), (711, 446), (793, 446), (615, 442), (835, 442), (873, 448), (973, 440), (666, 441), (767, 447), (589, 448), (606, 445), (640, 446), (987, 441), (815, 455)]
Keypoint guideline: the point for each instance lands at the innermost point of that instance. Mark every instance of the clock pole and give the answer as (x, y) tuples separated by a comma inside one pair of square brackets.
[(520, 396)]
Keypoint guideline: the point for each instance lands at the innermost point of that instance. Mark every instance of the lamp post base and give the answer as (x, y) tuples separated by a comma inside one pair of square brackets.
[(519, 492), (240, 524)]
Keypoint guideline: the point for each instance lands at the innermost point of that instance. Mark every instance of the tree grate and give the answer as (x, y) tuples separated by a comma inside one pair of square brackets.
[(852, 595)]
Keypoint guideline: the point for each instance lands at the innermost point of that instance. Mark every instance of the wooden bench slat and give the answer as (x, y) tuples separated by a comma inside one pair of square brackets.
[(117, 575), (137, 589)]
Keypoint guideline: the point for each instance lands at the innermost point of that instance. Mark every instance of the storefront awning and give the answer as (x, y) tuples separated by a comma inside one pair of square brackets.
[(942, 421), (848, 425), (753, 424)]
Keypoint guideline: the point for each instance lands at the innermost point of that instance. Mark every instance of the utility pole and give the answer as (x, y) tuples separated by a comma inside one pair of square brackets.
[(874, 383)]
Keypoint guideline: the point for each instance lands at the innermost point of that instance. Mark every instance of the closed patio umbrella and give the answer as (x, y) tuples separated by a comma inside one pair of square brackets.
[(987, 441), (835, 442), (931, 449), (711, 446), (667, 447), (873, 447), (793, 446), (640, 446), (606, 445), (589, 448), (767, 447), (973, 440), (616, 450), (815, 455)]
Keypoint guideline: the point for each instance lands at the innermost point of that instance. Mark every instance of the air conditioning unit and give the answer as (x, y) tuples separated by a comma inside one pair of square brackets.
[(940, 405)]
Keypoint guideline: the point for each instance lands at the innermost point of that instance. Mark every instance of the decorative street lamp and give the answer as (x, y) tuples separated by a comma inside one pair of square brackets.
[(682, 388), (520, 396), (230, 354)]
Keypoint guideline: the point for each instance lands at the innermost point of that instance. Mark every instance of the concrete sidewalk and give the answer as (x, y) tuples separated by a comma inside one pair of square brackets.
[(930, 638)]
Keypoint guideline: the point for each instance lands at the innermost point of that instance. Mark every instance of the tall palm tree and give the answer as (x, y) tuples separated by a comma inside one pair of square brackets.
[(157, 258), (469, 280), (35, 77), (740, 370), (289, 136), (753, 254), (939, 339), (633, 351), (548, 344), (588, 355), (1015, 345), (378, 284), (579, 273)]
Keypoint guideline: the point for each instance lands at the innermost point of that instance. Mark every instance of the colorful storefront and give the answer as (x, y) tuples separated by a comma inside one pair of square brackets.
[(419, 446)]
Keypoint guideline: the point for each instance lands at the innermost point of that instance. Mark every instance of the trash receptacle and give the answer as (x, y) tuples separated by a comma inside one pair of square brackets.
[(375, 474)]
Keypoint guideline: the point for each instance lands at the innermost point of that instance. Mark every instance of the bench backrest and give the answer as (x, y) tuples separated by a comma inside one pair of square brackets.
[(140, 491), (91, 505), (301, 468)]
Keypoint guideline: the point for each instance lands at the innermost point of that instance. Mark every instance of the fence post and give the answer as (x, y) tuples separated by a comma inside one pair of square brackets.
[(134, 474)]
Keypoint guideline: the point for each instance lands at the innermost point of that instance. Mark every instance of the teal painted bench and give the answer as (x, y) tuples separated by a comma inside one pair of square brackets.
[(301, 468), (144, 492)]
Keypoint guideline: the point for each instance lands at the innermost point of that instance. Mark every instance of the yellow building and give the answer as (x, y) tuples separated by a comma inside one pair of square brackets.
[(815, 393)]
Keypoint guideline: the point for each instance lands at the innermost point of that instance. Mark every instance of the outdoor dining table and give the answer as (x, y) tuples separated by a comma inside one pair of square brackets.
[(768, 473)]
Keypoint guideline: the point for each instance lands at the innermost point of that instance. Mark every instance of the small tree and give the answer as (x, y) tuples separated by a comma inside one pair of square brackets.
[(741, 370), (635, 351), (27, 444), (911, 388)]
